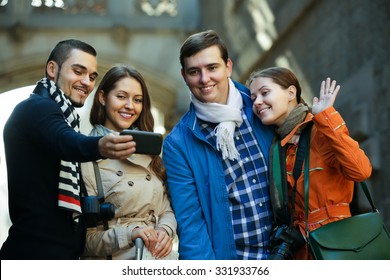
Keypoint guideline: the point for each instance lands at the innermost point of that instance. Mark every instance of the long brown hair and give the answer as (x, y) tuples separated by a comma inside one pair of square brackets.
[(281, 76), (145, 122)]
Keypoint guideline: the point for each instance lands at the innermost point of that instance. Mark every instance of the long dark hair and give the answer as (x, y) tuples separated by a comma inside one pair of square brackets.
[(145, 122)]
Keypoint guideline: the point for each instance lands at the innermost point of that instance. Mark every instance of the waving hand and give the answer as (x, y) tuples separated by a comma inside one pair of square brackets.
[(328, 93)]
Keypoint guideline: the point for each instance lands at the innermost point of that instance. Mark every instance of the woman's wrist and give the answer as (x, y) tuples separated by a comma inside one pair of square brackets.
[(132, 234), (164, 229)]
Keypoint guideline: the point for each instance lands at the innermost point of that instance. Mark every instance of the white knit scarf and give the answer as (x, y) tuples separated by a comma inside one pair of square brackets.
[(69, 177), (228, 116)]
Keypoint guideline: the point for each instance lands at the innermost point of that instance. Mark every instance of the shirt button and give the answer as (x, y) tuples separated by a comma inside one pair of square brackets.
[(119, 173), (148, 177), (246, 159), (237, 138), (261, 204), (254, 181), (130, 183)]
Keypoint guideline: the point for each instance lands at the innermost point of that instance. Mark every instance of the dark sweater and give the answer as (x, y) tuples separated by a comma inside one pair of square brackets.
[(36, 138)]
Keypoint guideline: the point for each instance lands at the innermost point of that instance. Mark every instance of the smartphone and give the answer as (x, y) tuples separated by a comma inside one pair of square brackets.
[(147, 143)]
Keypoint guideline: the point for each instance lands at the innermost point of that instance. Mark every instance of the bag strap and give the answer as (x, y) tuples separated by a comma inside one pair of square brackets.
[(303, 147), (304, 142), (98, 181), (306, 184), (99, 185), (368, 195), (279, 197)]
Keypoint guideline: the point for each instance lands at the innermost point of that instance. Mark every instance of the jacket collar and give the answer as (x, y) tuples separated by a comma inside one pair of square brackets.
[(142, 160), (41, 90)]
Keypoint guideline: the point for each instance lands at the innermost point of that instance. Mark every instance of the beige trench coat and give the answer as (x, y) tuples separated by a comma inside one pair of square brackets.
[(139, 200)]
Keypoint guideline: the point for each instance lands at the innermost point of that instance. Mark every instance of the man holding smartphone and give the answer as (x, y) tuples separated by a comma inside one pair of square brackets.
[(43, 148)]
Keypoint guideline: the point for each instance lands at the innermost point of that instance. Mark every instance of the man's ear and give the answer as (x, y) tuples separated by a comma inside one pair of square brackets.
[(52, 69), (229, 66), (183, 74)]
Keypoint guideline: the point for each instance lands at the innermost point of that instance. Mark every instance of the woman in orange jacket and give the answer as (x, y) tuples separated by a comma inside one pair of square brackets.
[(336, 161)]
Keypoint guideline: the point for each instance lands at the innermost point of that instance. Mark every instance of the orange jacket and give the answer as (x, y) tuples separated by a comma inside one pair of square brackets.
[(336, 161)]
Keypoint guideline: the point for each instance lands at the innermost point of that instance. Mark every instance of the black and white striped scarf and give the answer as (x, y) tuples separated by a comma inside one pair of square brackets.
[(69, 177)]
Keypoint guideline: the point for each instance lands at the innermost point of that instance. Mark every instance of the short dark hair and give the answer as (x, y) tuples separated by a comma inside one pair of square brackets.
[(281, 76), (62, 50), (200, 41)]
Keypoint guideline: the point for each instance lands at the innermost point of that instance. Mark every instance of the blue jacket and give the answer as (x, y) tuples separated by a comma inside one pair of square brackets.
[(197, 186)]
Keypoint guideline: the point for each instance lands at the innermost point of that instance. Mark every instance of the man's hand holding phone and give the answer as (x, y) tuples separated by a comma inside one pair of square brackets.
[(116, 146)]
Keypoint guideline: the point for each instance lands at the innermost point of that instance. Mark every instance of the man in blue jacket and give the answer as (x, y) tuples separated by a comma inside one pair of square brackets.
[(216, 159), (43, 148)]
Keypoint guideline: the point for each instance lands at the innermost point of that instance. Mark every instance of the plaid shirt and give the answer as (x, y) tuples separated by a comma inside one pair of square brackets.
[(247, 187)]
